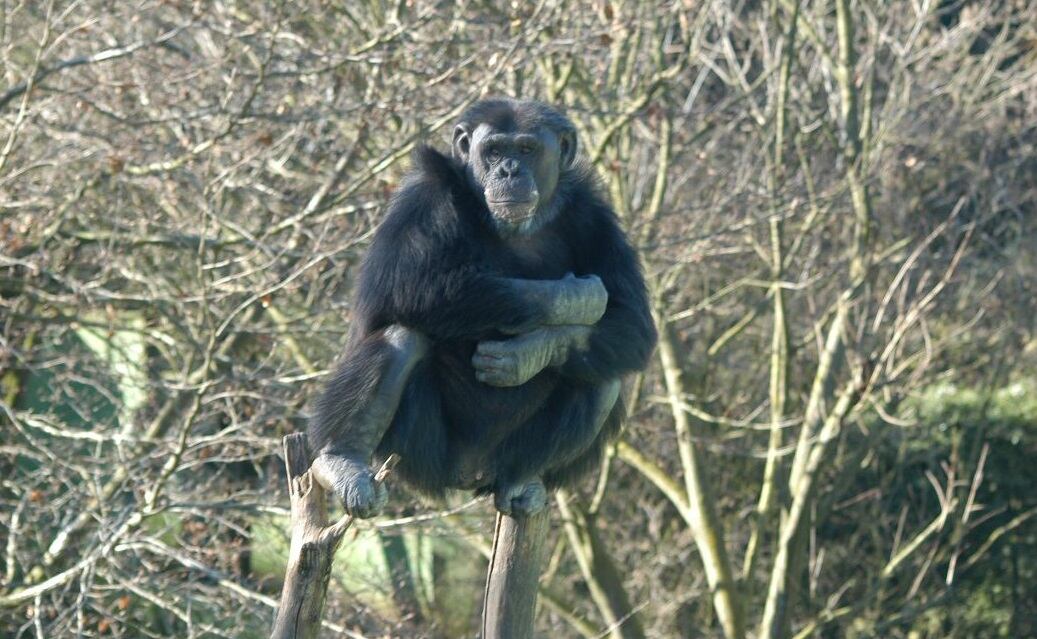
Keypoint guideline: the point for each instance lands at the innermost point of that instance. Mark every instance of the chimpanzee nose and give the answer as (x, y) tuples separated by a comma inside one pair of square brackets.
[(509, 167)]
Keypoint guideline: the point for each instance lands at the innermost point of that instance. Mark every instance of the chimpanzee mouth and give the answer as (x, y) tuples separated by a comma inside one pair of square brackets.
[(511, 202), (513, 210)]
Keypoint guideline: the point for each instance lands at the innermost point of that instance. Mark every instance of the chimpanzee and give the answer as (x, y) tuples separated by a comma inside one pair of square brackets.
[(496, 310)]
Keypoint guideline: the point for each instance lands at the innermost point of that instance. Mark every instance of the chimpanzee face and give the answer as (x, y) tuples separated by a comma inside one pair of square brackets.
[(516, 168)]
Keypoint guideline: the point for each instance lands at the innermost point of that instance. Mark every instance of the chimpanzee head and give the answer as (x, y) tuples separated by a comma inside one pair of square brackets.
[(515, 152)]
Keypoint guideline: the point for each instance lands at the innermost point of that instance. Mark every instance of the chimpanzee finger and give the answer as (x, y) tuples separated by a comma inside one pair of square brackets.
[(498, 378), (502, 500), (492, 378), (492, 349), (486, 361), (503, 507)]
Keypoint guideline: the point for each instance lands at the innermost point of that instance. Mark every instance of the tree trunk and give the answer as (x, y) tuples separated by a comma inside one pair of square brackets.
[(511, 581), (313, 546)]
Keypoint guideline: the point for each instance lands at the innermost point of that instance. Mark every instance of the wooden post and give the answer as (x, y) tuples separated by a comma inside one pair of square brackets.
[(509, 603), (313, 545)]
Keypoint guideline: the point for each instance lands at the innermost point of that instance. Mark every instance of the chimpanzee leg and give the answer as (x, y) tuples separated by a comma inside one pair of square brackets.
[(355, 411), (590, 459), (563, 433)]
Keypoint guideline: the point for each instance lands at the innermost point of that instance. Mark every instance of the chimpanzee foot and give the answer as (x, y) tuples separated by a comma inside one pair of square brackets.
[(352, 482), (363, 497), (522, 499)]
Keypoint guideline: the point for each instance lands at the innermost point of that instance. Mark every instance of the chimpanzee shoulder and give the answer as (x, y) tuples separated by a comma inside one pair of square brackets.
[(434, 197), (588, 219), (431, 231), (437, 168)]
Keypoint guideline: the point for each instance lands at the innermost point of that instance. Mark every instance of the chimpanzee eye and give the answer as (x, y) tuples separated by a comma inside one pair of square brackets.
[(526, 149), (493, 155)]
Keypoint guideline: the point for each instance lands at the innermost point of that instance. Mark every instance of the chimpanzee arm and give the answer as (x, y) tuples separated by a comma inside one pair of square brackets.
[(619, 342), (515, 361), (424, 270), (622, 340)]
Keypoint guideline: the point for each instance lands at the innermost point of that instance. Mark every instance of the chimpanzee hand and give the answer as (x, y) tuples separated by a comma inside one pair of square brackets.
[(578, 300), (571, 300), (352, 482), (517, 360), (521, 499)]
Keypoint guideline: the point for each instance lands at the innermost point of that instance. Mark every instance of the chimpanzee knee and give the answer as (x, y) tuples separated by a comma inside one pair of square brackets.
[(356, 410)]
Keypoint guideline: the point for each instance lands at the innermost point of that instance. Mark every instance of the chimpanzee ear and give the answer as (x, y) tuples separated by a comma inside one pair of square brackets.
[(567, 148), (462, 142)]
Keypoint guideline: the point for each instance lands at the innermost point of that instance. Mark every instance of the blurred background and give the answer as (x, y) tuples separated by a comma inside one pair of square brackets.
[(834, 202)]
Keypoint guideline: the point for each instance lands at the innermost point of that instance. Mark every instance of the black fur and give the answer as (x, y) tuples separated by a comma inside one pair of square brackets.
[(432, 267)]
